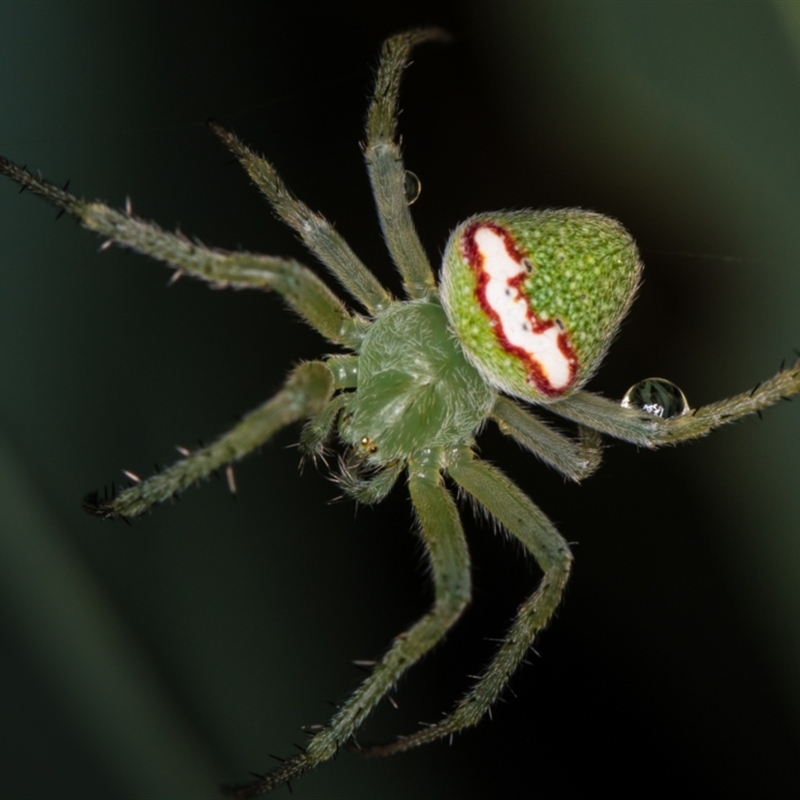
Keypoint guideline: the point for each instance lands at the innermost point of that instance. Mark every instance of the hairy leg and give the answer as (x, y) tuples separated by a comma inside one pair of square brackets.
[(443, 536), (576, 460), (644, 429), (316, 232), (304, 394), (385, 164), (298, 285), (504, 501)]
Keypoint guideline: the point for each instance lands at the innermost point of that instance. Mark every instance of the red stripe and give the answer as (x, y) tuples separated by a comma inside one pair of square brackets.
[(536, 374)]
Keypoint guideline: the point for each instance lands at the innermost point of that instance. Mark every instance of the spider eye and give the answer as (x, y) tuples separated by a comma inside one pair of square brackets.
[(368, 445), (535, 298)]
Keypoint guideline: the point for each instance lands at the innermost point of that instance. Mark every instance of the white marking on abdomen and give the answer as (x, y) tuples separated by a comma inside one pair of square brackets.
[(512, 309)]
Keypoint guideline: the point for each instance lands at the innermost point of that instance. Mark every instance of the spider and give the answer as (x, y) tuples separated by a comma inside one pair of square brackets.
[(526, 305)]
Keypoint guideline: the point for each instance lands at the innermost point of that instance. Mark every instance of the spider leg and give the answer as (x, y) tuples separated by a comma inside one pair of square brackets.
[(634, 426), (298, 285), (443, 536), (316, 232), (576, 460), (305, 393), (385, 164), (504, 501)]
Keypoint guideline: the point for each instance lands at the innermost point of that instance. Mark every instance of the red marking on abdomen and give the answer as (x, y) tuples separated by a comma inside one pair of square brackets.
[(536, 374)]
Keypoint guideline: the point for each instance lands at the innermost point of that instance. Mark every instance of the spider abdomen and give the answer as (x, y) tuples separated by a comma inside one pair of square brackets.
[(535, 297), (415, 387)]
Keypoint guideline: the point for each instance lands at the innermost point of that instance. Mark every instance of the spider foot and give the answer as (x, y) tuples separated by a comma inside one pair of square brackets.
[(101, 506), (289, 769)]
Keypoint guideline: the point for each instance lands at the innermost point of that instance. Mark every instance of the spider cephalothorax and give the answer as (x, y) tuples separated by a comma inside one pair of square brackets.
[(529, 303)]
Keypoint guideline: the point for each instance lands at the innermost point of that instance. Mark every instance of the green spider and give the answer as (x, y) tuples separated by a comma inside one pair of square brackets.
[(525, 308)]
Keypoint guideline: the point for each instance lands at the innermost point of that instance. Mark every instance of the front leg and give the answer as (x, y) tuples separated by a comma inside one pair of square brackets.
[(298, 285), (385, 164)]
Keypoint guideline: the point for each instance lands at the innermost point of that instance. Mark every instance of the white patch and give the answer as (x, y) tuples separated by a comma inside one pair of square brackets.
[(511, 307)]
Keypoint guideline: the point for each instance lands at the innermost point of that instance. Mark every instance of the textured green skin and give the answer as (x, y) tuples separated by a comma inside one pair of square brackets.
[(415, 388), (586, 271)]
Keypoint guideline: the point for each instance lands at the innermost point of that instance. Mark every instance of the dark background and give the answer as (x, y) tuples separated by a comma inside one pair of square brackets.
[(162, 659)]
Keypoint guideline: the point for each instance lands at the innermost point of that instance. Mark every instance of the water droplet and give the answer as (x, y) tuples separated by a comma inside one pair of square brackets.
[(658, 397), (412, 187)]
